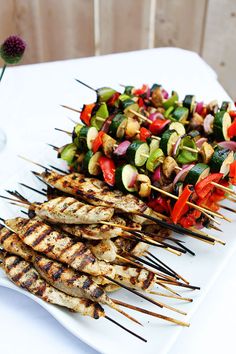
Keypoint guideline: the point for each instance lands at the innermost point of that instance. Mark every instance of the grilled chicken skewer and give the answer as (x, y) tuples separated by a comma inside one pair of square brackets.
[(23, 274), (103, 232), (97, 192), (42, 238), (59, 210), (63, 278)]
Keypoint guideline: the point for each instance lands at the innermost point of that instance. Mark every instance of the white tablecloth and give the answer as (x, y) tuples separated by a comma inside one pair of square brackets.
[(29, 110)]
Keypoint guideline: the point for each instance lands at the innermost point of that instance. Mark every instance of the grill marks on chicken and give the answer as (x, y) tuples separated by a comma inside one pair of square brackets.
[(58, 275), (71, 211), (96, 231), (23, 274), (69, 281), (135, 277), (95, 192), (43, 238), (12, 244)]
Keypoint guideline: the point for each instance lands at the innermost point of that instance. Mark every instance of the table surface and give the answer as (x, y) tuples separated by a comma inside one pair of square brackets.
[(29, 104)]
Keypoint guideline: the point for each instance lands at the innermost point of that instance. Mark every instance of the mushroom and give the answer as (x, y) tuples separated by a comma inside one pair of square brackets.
[(144, 185), (169, 166), (212, 106), (132, 127), (207, 152), (157, 97), (108, 144), (196, 120)]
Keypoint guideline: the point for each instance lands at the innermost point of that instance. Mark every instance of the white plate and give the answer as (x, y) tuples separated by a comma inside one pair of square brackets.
[(202, 270)]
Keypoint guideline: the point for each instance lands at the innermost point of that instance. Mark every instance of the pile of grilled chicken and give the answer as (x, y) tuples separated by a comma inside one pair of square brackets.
[(80, 244)]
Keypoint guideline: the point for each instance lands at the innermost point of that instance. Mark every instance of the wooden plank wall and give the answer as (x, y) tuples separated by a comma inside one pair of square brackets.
[(61, 29)]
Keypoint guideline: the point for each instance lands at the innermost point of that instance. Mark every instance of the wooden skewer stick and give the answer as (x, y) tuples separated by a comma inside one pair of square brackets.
[(226, 189), (63, 131), (127, 228), (167, 267), (227, 208), (126, 329), (157, 303), (219, 214), (171, 296), (168, 289), (231, 199), (189, 203), (70, 108), (170, 319), (140, 116)]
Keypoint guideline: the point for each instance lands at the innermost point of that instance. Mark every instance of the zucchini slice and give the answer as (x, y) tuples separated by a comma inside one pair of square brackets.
[(138, 153), (221, 160), (91, 163), (189, 102), (130, 104), (118, 126), (197, 173), (154, 144), (225, 106), (67, 153), (88, 134), (125, 177), (221, 123), (180, 114), (168, 140), (178, 127)]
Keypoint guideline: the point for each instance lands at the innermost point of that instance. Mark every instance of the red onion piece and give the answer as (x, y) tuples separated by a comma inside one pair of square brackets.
[(122, 148), (165, 94), (148, 93), (207, 123), (154, 116), (199, 107), (133, 180), (231, 145), (157, 174), (106, 125), (175, 150), (182, 174), (200, 142), (199, 226)]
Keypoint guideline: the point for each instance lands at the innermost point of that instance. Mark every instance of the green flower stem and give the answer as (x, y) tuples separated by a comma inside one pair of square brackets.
[(3, 70)]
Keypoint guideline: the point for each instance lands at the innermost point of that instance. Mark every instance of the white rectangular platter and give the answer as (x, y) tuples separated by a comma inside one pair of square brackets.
[(29, 126)]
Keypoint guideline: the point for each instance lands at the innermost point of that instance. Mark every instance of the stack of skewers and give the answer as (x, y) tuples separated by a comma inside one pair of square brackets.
[(178, 156), (84, 241), (141, 165)]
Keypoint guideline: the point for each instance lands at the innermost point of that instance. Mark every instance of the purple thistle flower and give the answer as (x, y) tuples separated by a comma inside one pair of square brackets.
[(12, 49)]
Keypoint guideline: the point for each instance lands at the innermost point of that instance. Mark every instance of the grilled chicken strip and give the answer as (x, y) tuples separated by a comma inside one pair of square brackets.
[(61, 277), (43, 238), (128, 246), (23, 274), (95, 192), (12, 244), (104, 250), (70, 211), (136, 278), (96, 231)]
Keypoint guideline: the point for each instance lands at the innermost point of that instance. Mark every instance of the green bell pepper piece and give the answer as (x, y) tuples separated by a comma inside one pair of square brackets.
[(171, 101), (154, 160), (102, 112), (104, 94), (185, 156)]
